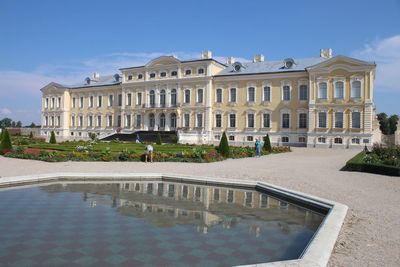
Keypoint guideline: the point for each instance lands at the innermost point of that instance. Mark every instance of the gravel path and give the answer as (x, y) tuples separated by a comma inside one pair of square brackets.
[(371, 233)]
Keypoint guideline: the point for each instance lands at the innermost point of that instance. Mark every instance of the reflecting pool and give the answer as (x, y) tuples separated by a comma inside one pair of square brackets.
[(149, 223)]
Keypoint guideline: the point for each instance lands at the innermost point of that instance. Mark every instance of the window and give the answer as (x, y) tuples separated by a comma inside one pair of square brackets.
[(99, 101), (174, 73), (188, 72), (139, 99), (355, 141), (99, 121), (72, 121), (285, 120), (285, 139), (217, 137), (303, 120), (250, 138), (173, 97), (46, 103), (152, 121), (356, 89), (232, 120), (152, 97), (90, 121), (303, 92), (250, 120), (73, 102), (52, 102), (302, 139), (140, 76), (110, 121), (286, 93), (129, 77), (251, 94), (219, 95), (110, 100), (58, 102), (162, 120), (187, 96), (266, 120), (267, 94), (81, 102), (173, 120), (52, 120), (163, 74), (233, 95), (46, 121), (338, 119), (323, 90), (80, 122), (162, 98), (338, 140), (58, 121), (231, 138), (129, 99), (138, 120), (200, 71), (339, 89), (199, 120), (322, 140), (218, 120), (128, 121), (119, 124), (152, 75), (186, 118), (120, 100), (322, 120), (356, 120), (91, 101), (200, 96)]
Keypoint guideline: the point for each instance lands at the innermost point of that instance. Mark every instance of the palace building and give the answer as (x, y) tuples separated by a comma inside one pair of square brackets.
[(324, 101)]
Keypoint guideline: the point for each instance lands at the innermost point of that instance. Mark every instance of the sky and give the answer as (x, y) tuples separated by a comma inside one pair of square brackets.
[(66, 41)]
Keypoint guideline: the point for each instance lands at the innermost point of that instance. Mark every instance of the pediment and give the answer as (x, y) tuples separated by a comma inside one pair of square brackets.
[(163, 60), (342, 62), (52, 87)]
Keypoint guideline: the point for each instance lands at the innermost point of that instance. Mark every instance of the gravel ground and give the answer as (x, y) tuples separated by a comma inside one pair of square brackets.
[(371, 233)]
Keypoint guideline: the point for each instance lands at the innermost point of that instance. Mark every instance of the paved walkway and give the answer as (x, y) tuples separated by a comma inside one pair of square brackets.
[(371, 233)]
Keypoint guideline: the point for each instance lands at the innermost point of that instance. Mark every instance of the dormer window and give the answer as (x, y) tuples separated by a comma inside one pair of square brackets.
[(140, 76), (200, 71), (188, 72), (130, 77), (174, 73), (163, 74), (152, 75)]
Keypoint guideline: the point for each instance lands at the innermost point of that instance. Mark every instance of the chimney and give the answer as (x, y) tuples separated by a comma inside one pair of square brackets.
[(325, 53), (258, 58), (96, 75), (230, 60), (206, 54)]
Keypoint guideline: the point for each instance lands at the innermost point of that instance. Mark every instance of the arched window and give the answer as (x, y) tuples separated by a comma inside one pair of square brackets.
[(162, 98), (162, 120), (173, 120), (356, 89), (173, 97), (338, 140), (339, 90), (152, 96), (323, 90), (151, 120)]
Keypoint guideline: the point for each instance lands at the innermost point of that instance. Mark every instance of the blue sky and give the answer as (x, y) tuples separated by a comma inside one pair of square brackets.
[(65, 41)]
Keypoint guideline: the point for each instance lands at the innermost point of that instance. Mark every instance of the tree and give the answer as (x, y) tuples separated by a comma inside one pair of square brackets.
[(158, 139), (31, 135), (267, 144), (6, 122), (53, 138), (392, 122), (388, 125), (33, 125), (5, 141), (18, 124), (223, 147)]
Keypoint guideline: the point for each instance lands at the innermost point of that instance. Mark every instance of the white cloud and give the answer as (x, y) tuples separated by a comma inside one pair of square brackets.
[(386, 54), (5, 111)]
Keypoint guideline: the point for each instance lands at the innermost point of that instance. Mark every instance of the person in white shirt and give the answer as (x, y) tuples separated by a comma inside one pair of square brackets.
[(149, 152)]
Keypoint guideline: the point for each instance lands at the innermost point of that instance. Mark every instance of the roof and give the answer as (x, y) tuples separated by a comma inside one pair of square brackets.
[(300, 64), (184, 61), (102, 81)]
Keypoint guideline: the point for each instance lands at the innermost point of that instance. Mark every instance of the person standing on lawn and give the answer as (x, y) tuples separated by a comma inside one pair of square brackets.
[(137, 139), (258, 148), (149, 153)]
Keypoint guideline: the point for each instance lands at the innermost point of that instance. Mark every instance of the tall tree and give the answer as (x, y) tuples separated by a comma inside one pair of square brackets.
[(383, 123), (6, 122), (18, 124), (223, 148), (392, 122)]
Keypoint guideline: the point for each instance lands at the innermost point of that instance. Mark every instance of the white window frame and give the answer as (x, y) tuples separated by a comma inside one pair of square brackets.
[(269, 112), (184, 120), (198, 96), (351, 118), (184, 95), (138, 122), (128, 99), (216, 95), (91, 101), (52, 102), (251, 112), (339, 79), (299, 112), (285, 83), (98, 122), (326, 119), (110, 102), (108, 120), (138, 98), (58, 101), (90, 120), (197, 120), (99, 101), (72, 120), (286, 111), (319, 89), (303, 83), (80, 121), (81, 101), (230, 95), (334, 119), (266, 84), (356, 78), (128, 125), (229, 119), (46, 102), (220, 113), (251, 85)]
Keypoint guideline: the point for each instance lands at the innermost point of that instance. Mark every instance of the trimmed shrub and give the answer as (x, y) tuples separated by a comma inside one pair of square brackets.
[(267, 144), (223, 147), (53, 138), (158, 140), (30, 135), (5, 144)]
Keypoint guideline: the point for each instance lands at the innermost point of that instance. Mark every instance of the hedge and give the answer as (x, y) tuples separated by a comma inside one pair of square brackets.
[(357, 164)]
